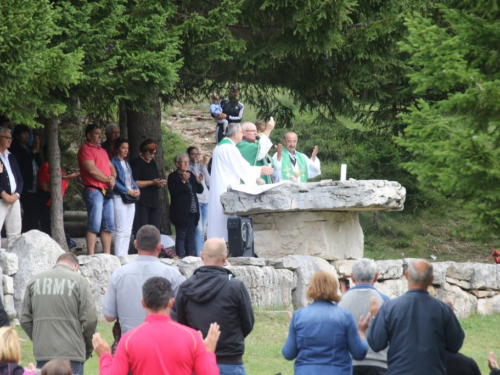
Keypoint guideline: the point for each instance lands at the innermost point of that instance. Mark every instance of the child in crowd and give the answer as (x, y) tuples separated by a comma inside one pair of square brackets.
[(57, 367), (215, 111), (10, 354), (261, 126)]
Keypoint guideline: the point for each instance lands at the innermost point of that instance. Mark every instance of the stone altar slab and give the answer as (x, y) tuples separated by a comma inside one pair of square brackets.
[(318, 218)]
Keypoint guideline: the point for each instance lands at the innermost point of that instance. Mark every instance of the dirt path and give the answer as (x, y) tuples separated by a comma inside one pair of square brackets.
[(194, 125)]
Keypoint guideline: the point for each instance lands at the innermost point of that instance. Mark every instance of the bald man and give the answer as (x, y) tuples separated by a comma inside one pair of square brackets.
[(214, 294), (420, 328), (254, 148), (292, 165)]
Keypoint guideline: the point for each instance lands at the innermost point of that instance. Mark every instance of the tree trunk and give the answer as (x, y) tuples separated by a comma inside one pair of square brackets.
[(122, 119), (54, 158), (141, 126)]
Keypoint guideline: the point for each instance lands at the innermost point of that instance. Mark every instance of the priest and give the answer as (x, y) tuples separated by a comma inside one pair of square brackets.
[(254, 148), (293, 165), (228, 168)]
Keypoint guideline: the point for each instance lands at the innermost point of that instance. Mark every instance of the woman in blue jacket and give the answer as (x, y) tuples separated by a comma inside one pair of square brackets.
[(125, 191), (322, 336)]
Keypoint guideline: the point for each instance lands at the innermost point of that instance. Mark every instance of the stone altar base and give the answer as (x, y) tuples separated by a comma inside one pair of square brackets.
[(316, 218), (327, 235)]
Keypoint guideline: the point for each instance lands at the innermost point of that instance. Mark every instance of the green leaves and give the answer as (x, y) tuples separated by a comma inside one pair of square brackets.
[(455, 139), (30, 66)]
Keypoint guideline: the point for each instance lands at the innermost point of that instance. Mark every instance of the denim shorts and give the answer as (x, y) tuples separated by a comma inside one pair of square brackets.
[(100, 212), (231, 369)]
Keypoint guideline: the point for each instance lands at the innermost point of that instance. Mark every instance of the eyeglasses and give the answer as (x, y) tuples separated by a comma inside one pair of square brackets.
[(8, 138), (195, 154), (151, 152)]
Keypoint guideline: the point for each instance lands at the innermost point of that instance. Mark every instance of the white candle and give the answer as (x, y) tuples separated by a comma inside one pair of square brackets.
[(343, 172)]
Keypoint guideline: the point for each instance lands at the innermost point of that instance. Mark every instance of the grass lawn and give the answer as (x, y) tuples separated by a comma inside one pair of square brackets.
[(263, 346)]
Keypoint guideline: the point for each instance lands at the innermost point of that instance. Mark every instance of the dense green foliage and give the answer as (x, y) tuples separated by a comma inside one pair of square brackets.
[(31, 66), (454, 139), (338, 62)]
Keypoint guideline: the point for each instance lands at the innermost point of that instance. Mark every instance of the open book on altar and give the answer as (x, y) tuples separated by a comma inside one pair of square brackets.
[(256, 189)]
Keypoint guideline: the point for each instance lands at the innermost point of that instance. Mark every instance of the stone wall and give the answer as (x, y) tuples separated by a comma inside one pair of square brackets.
[(282, 283), (279, 283)]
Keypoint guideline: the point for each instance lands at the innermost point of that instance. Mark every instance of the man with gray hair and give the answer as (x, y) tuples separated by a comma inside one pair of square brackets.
[(420, 328), (228, 168), (357, 301), (214, 294), (112, 132), (123, 297), (11, 186), (254, 148), (184, 207)]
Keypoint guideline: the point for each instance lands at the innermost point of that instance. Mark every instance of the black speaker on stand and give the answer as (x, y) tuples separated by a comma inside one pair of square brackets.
[(240, 233)]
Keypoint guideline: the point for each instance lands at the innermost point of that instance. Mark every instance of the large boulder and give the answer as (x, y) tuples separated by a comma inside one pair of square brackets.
[(188, 265), (488, 306), (343, 267), (303, 267), (97, 269), (326, 195), (440, 270), (393, 288), (328, 235), (36, 252), (484, 276), (8, 262), (389, 269), (318, 219), (266, 286), (464, 303)]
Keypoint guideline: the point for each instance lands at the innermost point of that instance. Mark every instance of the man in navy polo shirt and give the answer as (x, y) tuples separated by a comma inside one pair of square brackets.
[(419, 327)]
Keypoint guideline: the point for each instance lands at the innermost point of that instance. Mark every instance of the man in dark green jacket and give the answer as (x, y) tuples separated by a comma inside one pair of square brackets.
[(59, 314)]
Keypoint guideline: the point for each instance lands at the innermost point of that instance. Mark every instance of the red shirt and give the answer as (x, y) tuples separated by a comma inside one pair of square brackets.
[(100, 157), (160, 346), (43, 176)]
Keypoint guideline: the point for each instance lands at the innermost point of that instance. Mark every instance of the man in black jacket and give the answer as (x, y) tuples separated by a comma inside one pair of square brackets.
[(184, 208), (232, 108), (213, 294), (11, 186)]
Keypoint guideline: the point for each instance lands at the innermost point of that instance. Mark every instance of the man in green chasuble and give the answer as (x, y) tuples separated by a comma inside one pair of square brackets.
[(289, 164), (254, 149)]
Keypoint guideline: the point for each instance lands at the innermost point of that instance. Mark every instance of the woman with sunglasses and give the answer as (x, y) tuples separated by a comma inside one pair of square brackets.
[(145, 173)]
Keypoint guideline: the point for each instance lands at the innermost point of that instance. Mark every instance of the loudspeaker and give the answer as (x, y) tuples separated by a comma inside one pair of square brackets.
[(240, 233)]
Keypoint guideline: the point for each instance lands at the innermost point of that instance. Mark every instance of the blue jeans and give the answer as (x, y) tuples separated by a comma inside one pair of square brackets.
[(100, 211), (232, 370), (184, 237), (199, 234), (76, 367)]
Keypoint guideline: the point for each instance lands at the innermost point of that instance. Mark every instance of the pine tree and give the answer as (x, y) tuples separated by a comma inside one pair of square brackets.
[(455, 140)]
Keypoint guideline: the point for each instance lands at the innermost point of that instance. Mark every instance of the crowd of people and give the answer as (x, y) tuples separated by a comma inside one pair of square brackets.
[(169, 325), (122, 195), (360, 332)]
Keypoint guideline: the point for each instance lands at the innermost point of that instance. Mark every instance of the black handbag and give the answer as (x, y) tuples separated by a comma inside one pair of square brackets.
[(128, 199)]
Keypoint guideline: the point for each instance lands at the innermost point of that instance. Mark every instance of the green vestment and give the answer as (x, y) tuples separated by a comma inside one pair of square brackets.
[(287, 167), (249, 151)]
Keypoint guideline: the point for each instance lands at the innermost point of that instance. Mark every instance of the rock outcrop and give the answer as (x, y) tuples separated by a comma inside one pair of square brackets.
[(317, 219), (281, 283), (327, 195), (36, 252)]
